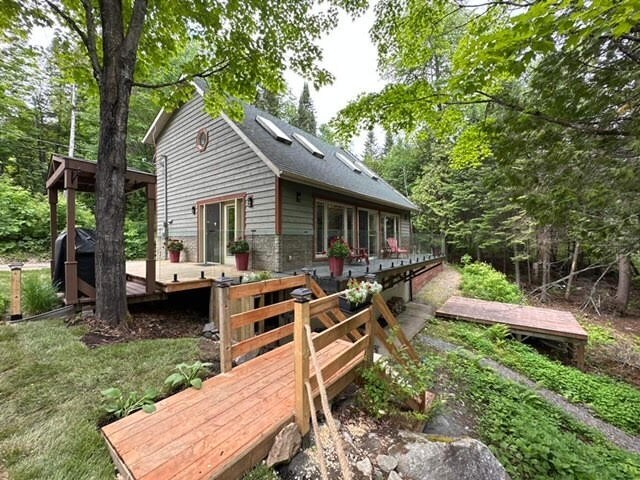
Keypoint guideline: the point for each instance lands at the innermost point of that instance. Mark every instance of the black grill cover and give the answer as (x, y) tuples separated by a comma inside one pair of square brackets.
[(85, 256)]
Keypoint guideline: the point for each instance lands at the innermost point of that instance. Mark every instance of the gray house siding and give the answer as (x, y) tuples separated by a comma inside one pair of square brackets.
[(297, 239), (228, 166)]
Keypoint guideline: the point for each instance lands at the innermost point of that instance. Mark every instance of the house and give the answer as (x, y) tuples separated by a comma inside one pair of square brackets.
[(286, 191)]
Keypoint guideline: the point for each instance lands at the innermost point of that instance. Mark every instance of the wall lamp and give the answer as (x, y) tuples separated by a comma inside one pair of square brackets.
[(298, 196), (250, 201), (193, 209)]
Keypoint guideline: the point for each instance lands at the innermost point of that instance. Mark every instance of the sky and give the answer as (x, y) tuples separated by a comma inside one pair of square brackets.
[(351, 57), (348, 54)]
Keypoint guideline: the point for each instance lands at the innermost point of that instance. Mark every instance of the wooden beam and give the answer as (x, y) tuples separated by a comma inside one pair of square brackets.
[(340, 330), (301, 365), (71, 265), (56, 175), (266, 286), (260, 314), (382, 307), (259, 341), (224, 328), (324, 303), (340, 361), (150, 190), (53, 226)]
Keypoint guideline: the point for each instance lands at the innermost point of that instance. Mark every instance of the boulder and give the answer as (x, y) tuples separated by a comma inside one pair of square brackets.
[(393, 475), (286, 444), (386, 462), (464, 458), (365, 467)]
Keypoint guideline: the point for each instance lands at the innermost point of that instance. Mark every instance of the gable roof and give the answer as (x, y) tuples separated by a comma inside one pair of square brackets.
[(293, 161)]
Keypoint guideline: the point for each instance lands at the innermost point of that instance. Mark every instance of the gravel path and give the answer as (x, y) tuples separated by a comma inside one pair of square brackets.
[(613, 434)]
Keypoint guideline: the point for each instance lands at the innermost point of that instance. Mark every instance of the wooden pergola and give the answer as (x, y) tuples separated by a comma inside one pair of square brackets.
[(76, 175)]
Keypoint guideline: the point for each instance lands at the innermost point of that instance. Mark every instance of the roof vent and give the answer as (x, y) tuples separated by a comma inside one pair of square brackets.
[(344, 159), (308, 145), (273, 130)]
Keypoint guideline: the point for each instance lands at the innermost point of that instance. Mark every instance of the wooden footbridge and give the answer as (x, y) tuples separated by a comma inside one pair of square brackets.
[(228, 427)]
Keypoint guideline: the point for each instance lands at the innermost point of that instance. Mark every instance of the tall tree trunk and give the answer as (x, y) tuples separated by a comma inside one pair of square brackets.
[(545, 253), (574, 264), (116, 82), (624, 283)]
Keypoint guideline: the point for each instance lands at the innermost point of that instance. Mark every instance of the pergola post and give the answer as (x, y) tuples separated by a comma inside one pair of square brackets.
[(53, 225), (71, 265), (150, 190)]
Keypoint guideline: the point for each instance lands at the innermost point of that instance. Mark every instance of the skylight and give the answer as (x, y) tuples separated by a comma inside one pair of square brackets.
[(273, 130), (364, 167), (308, 145), (344, 159)]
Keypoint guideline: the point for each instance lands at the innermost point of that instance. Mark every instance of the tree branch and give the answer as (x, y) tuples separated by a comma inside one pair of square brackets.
[(186, 78), (84, 37), (91, 39), (557, 121), (136, 25)]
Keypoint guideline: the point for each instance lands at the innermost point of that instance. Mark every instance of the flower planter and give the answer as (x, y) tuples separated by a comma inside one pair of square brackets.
[(242, 261), (174, 256), (350, 307), (336, 266)]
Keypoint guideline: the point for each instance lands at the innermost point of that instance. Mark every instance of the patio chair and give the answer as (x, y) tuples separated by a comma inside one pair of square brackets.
[(394, 249), (358, 255)]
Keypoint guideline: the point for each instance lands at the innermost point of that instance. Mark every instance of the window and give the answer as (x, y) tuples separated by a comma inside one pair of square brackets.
[(308, 145), (344, 159), (390, 224), (332, 221), (368, 231), (273, 130)]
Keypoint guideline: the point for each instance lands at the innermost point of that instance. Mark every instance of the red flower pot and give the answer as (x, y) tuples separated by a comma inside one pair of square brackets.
[(174, 256), (242, 261), (336, 265)]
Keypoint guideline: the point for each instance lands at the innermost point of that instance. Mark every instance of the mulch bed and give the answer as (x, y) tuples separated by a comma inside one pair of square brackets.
[(156, 321)]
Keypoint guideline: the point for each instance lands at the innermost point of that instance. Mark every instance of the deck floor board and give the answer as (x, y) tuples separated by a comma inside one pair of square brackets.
[(197, 434), (532, 320)]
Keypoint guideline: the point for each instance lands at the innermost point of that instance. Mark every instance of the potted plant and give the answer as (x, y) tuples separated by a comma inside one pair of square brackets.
[(338, 251), (240, 248), (358, 294), (174, 247)]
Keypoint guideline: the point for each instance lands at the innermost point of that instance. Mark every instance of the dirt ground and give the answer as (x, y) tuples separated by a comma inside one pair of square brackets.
[(158, 320)]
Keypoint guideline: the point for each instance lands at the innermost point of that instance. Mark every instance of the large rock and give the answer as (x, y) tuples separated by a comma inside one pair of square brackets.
[(285, 446), (465, 458)]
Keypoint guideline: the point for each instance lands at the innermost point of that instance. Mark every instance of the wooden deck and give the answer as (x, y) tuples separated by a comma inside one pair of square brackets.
[(544, 323), (222, 429)]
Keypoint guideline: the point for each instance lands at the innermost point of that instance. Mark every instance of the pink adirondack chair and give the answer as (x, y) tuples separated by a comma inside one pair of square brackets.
[(394, 249)]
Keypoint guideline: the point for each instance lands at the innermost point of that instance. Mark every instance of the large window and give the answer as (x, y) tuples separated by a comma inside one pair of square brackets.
[(390, 225), (332, 221)]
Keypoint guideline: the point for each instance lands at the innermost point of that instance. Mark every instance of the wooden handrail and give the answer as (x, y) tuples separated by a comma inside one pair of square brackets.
[(259, 341), (341, 360), (266, 286), (340, 330), (322, 304), (381, 306), (259, 314)]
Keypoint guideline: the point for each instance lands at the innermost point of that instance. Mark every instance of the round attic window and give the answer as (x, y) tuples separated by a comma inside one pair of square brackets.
[(202, 139)]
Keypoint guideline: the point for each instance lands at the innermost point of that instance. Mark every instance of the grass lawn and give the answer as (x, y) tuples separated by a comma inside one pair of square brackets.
[(50, 402)]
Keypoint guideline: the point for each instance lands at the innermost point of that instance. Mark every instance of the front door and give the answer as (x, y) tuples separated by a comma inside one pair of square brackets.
[(212, 236), (368, 231)]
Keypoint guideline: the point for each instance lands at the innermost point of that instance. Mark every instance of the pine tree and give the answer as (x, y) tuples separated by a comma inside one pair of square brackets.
[(388, 143), (370, 148), (306, 119), (268, 101)]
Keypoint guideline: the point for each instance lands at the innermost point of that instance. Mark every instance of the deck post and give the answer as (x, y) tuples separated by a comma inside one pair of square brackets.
[(53, 226), (71, 264), (150, 273), (16, 290), (301, 296), (224, 318)]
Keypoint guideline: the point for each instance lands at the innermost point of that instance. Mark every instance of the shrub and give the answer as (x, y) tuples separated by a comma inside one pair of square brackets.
[(4, 305), (38, 294), (480, 280)]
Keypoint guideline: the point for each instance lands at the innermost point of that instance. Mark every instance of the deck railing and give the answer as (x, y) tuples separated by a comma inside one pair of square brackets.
[(340, 370)]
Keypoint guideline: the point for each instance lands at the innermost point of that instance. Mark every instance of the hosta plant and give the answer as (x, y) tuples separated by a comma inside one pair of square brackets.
[(187, 375), (120, 404)]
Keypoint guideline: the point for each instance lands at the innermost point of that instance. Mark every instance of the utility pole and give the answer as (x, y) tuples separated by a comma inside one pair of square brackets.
[(72, 130)]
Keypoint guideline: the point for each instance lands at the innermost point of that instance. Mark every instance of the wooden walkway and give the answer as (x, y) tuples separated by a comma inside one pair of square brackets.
[(222, 429), (544, 323)]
